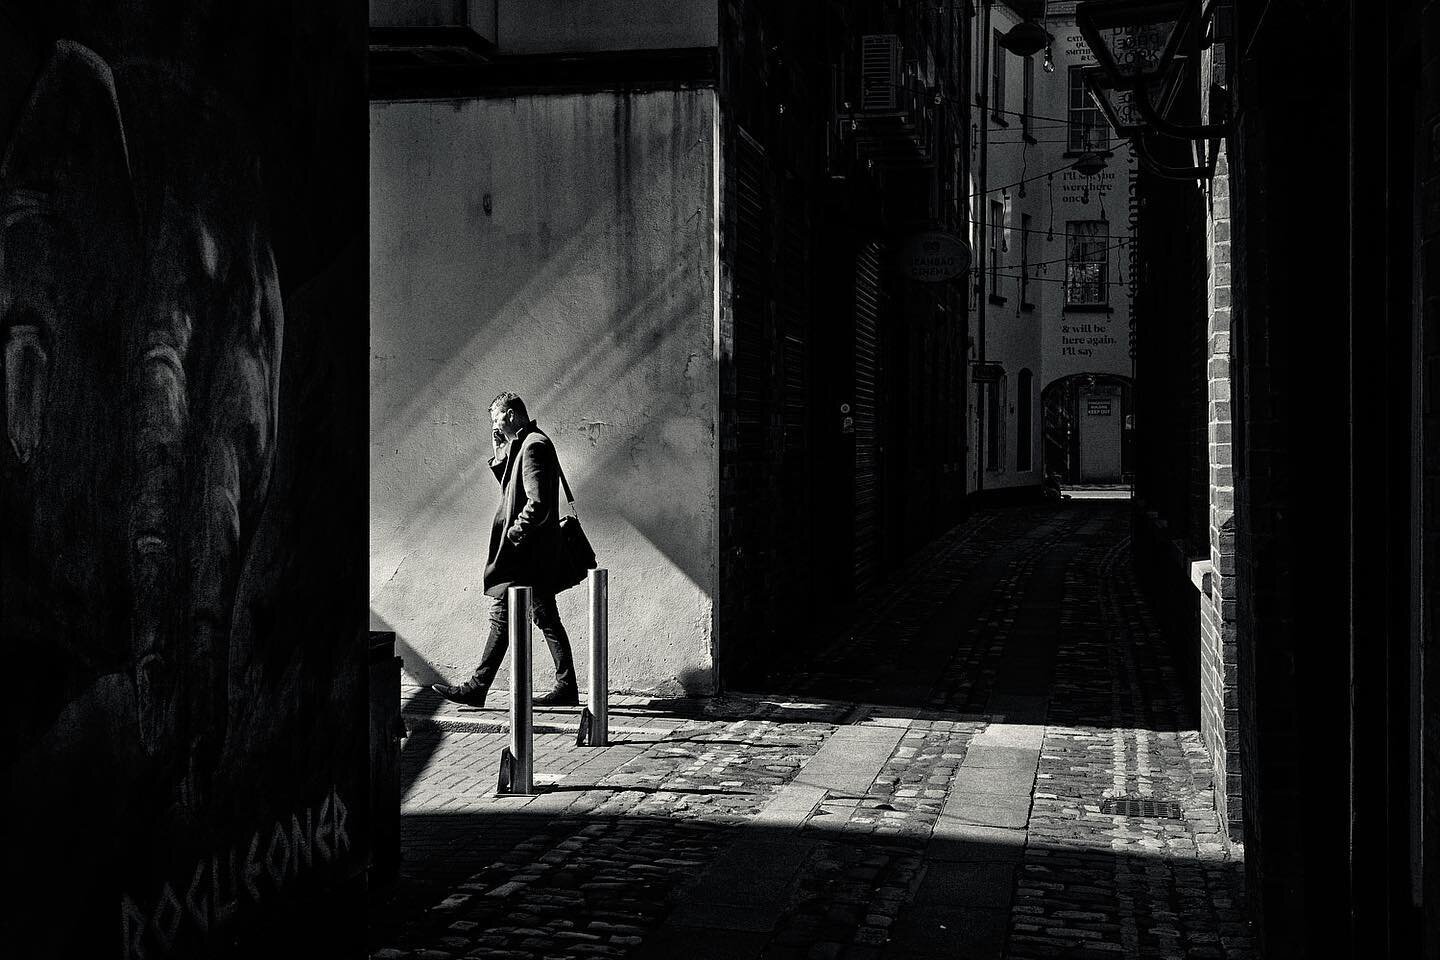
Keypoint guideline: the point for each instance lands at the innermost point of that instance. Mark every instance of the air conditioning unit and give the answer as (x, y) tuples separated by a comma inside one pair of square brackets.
[(880, 79)]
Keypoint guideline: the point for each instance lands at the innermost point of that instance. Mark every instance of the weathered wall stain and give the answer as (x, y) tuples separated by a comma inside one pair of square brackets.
[(589, 290)]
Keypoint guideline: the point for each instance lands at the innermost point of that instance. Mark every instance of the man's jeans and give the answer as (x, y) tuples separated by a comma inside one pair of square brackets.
[(547, 617)]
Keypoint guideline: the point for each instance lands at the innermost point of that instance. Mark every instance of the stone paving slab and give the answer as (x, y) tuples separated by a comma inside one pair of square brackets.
[(746, 889), (1005, 781), (850, 759), (986, 752), (1012, 812)]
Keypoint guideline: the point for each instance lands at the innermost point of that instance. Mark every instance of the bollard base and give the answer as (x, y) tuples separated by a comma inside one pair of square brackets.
[(507, 771), (589, 733), (507, 787)]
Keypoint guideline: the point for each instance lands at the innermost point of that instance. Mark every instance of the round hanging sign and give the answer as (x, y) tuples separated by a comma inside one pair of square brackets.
[(934, 256)]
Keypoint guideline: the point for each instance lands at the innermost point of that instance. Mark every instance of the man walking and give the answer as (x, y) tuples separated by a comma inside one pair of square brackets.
[(524, 552)]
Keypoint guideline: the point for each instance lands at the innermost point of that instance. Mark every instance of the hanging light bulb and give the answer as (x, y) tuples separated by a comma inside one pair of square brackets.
[(1048, 64)]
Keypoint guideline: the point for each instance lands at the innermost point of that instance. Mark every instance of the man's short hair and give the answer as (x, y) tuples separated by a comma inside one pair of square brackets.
[(510, 401)]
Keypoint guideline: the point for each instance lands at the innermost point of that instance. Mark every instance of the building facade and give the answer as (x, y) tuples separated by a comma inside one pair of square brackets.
[(667, 234), (1053, 284)]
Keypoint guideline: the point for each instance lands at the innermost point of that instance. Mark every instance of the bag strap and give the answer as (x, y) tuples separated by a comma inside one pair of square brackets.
[(563, 482)]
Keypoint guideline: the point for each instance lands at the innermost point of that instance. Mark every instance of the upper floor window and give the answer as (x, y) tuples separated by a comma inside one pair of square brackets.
[(1027, 106), (997, 88), (1086, 263), (1088, 127), (1024, 258), (997, 243)]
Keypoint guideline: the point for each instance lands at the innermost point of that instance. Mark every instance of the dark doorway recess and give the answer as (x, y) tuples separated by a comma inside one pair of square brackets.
[(1084, 416)]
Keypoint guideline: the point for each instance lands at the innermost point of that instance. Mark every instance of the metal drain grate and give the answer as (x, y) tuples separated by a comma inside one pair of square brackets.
[(1157, 809)]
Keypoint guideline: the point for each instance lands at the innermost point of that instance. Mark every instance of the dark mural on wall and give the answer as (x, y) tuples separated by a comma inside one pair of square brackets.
[(183, 474)]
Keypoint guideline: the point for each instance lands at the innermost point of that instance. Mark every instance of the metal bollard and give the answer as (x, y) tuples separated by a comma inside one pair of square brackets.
[(517, 762), (595, 719)]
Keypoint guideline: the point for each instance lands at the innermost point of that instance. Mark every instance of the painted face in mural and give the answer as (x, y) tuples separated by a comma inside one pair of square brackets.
[(142, 323)]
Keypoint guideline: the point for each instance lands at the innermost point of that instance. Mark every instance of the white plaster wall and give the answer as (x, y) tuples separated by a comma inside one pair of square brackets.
[(563, 247), (1012, 335), (1100, 342)]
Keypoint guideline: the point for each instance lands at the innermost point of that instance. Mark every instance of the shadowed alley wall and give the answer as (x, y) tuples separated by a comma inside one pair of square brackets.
[(563, 247), (182, 478)]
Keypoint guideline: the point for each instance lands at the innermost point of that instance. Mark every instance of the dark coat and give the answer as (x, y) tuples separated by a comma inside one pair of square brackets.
[(525, 535)]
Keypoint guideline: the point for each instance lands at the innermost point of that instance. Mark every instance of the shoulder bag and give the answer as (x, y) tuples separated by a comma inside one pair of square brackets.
[(576, 554)]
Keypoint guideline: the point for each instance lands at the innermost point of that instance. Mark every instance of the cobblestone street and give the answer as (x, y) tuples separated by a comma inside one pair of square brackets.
[(932, 786)]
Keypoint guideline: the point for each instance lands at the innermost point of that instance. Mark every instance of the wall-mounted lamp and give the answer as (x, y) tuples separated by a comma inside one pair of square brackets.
[(1134, 42), (1089, 164), (1141, 69), (1205, 154), (1118, 102)]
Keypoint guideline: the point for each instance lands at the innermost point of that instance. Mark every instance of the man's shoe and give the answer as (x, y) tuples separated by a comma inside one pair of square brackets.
[(470, 693), (559, 697)]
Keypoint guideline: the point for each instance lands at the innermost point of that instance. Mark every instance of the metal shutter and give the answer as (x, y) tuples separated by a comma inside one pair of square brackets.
[(879, 72), (792, 309), (868, 374)]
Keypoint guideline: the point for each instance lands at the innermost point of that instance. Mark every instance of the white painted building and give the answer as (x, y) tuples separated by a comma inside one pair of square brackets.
[(1054, 247)]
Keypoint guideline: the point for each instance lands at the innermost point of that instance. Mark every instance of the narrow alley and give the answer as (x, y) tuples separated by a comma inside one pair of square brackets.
[(721, 479), (939, 782)]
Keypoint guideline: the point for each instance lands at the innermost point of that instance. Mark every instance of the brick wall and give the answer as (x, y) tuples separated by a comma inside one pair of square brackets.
[(1219, 708)]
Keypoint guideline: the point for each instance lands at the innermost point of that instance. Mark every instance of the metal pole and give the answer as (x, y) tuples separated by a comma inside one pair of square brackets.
[(521, 722), (599, 657)]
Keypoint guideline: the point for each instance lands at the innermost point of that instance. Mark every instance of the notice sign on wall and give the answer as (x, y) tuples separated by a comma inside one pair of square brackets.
[(934, 256), (1097, 406)]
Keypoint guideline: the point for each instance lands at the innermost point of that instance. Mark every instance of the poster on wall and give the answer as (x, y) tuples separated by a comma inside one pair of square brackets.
[(182, 472)]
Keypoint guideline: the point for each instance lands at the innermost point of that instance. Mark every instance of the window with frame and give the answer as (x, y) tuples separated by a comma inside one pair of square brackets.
[(1024, 412), (997, 87), (1027, 105), (997, 243), (995, 393), (1086, 263), (1089, 129), (1024, 258)]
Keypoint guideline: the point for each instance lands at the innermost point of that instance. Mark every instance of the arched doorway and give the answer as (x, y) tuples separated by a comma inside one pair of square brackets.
[(1089, 428)]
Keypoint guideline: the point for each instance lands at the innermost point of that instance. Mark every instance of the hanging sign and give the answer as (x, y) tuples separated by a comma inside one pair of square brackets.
[(934, 256)]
